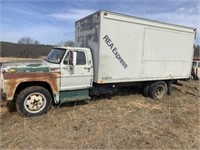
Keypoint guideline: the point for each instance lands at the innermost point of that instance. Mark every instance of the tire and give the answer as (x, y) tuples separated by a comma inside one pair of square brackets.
[(169, 87), (145, 89), (158, 90), (33, 101)]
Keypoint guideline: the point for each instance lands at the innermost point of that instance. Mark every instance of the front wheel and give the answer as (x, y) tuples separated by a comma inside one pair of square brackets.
[(33, 101)]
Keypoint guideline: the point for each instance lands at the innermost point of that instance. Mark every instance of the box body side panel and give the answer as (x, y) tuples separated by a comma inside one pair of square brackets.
[(129, 49), (121, 51), (167, 53)]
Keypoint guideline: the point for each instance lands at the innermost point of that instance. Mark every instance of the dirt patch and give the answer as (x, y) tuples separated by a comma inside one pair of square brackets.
[(124, 121)]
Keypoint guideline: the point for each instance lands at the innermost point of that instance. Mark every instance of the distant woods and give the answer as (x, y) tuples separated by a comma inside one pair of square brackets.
[(67, 43), (28, 48), (24, 50), (196, 52), (28, 40)]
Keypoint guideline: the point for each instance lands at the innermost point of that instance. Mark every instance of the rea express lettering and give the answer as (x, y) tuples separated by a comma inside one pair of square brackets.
[(114, 50)]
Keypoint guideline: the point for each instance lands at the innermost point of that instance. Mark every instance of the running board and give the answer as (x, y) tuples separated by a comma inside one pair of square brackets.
[(76, 95)]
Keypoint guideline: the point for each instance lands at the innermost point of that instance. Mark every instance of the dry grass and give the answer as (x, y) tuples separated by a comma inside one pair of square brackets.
[(123, 122)]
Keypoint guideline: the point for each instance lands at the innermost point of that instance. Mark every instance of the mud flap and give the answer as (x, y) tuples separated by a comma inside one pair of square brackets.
[(169, 85)]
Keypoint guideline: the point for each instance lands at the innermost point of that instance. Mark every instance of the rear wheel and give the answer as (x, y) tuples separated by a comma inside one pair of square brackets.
[(145, 89), (158, 90), (33, 101)]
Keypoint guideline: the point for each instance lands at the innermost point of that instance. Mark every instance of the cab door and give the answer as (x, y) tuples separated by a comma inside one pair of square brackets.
[(76, 70)]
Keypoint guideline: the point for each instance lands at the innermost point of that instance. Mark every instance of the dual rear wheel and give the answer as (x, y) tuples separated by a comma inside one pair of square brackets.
[(155, 90)]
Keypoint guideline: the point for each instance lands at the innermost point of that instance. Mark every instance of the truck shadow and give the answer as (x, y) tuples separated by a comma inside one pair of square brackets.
[(125, 91), (11, 106), (121, 92), (72, 104)]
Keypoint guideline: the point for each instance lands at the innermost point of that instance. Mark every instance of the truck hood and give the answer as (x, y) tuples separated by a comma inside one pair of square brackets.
[(26, 66)]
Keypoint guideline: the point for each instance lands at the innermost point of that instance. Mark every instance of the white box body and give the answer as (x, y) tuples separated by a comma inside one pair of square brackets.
[(130, 49)]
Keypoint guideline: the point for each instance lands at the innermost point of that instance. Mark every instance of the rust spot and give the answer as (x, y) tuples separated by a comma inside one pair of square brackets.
[(14, 79)]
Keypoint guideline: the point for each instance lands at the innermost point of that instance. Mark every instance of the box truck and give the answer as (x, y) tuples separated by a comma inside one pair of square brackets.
[(112, 50)]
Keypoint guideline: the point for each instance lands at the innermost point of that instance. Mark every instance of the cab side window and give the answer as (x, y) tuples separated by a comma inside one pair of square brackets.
[(80, 59), (198, 64)]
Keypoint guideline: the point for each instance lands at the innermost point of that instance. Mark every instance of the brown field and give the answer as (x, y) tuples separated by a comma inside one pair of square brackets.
[(124, 121)]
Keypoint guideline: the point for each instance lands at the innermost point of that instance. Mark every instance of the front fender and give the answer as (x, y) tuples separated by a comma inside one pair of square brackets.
[(13, 80)]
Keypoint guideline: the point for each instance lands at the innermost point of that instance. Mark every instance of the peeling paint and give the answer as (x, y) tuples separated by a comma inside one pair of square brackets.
[(24, 66), (12, 81), (15, 73)]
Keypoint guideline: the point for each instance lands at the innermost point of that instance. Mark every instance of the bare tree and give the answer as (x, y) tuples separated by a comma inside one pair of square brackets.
[(28, 40), (67, 43), (196, 51), (36, 42)]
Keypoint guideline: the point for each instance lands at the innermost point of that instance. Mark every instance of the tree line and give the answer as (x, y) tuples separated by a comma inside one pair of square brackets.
[(28, 40), (197, 51), (27, 47)]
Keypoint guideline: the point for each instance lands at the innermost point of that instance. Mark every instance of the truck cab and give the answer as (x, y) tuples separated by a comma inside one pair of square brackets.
[(65, 74), (76, 68)]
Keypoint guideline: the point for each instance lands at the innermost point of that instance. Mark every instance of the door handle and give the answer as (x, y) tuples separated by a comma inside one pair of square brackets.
[(88, 68), (68, 67)]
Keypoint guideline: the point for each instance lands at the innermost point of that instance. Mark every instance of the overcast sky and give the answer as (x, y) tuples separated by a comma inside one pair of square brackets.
[(52, 21)]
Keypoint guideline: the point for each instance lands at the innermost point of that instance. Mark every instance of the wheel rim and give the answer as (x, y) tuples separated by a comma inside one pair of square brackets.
[(160, 91), (35, 102)]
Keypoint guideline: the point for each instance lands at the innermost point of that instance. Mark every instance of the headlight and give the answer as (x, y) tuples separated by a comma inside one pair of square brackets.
[(4, 71)]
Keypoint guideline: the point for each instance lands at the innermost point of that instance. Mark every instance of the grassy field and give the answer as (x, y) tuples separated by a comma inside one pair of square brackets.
[(127, 120)]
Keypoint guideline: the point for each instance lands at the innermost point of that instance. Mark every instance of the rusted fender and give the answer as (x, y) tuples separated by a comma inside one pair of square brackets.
[(13, 80)]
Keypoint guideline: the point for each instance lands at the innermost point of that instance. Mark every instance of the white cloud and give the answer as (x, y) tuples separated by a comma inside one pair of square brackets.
[(181, 16), (72, 14)]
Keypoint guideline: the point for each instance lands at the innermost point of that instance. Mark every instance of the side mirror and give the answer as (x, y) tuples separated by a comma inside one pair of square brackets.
[(66, 62)]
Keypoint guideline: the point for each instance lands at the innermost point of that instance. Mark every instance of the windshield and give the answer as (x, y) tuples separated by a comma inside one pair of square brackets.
[(55, 56)]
